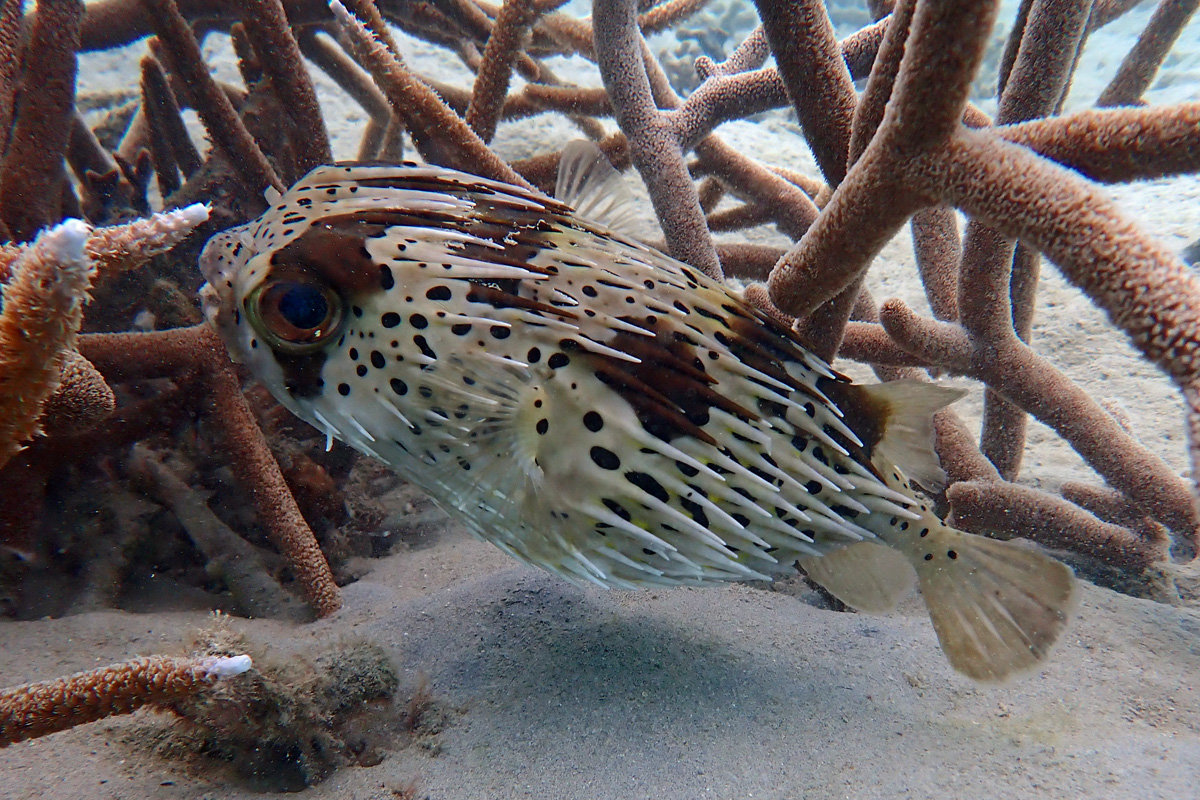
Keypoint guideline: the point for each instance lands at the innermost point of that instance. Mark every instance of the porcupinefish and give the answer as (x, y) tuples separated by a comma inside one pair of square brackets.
[(598, 409)]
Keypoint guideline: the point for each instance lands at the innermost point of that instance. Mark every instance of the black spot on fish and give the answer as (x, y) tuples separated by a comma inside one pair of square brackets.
[(813, 487), (557, 361), (420, 342), (398, 386), (542, 426), (385, 277), (593, 421), (687, 469), (648, 484), (361, 370), (500, 332), (390, 319), (695, 510), (438, 293), (617, 508), (344, 389), (460, 329), (418, 321), (605, 458), (534, 355)]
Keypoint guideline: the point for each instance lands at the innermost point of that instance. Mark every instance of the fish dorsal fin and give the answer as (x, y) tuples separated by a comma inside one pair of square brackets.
[(589, 184), (866, 576), (907, 409)]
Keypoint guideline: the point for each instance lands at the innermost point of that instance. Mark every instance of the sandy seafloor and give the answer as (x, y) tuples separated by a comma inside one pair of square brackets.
[(734, 692)]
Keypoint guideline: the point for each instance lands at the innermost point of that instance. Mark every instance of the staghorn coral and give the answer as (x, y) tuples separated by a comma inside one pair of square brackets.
[(897, 152), (36, 709), (43, 309)]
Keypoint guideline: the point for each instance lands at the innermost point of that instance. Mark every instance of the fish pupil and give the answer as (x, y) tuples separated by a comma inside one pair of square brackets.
[(303, 306)]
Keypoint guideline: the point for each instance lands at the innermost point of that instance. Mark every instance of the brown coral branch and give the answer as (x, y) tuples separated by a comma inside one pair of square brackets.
[(211, 103), (809, 60), (1141, 63), (198, 351), (1036, 82), (36, 709), (166, 121), (437, 131), (10, 64), (1021, 377), (653, 143), (491, 83), (80, 402), (333, 61), (1007, 511), (43, 309), (1116, 145), (32, 169), (279, 54)]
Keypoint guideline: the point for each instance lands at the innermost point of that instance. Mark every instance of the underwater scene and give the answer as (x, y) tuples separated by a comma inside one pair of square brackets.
[(472, 399)]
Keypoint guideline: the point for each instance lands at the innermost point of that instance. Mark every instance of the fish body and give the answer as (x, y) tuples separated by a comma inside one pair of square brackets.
[(598, 409)]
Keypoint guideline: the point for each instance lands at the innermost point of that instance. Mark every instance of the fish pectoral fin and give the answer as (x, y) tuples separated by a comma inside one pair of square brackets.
[(907, 409), (998, 607), (867, 576), (589, 184)]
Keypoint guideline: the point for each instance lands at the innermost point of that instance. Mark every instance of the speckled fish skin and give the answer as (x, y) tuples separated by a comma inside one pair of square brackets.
[(588, 404)]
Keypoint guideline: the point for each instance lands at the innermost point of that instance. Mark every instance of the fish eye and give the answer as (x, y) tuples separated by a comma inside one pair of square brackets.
[(295, 314)]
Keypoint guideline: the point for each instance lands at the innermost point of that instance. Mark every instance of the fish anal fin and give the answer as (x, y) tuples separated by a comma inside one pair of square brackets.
[(906, 410), (867, 576), (998, 607), (589, 184)]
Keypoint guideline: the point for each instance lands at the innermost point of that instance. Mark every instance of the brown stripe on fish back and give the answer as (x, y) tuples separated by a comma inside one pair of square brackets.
[(668, 387), (864, 415), (335, 252)]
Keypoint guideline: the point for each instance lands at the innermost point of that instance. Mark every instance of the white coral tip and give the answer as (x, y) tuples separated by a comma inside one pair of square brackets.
[(192, 215), (65, 242), (226, 666)]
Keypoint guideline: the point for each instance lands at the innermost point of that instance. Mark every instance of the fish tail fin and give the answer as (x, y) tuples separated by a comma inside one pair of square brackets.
[(998, 607)]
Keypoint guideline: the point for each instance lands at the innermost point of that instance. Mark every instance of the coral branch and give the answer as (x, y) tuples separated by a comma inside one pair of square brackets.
[(491, 84), (279, 54), (1009, 511), (36, 709), (210, 102), (653, 142), (32, 171), (43, 309), (199, 352), (810, 63), (437, 131), (1141, 64)]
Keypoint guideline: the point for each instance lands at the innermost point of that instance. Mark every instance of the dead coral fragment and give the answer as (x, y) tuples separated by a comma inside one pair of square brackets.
[(36, 709)]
